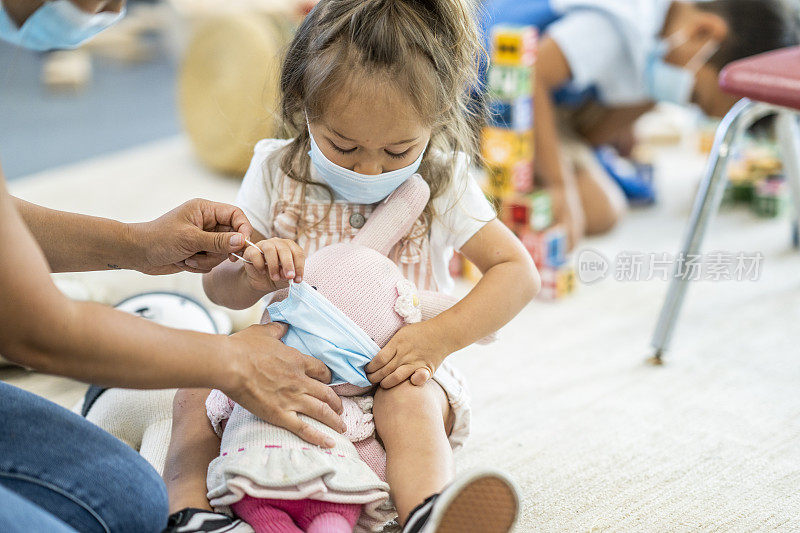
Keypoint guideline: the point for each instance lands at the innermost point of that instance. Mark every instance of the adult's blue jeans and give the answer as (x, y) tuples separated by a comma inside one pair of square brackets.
[(59, 473)]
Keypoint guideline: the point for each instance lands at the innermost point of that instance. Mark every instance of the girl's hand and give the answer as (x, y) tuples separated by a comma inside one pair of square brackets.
[(273, 259), (414, 352)]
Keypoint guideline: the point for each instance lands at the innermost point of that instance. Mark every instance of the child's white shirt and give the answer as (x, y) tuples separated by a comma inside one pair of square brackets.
[(606, 43), (462, 209)]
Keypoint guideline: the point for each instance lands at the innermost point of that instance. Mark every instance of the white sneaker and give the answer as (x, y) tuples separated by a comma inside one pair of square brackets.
[(480, 501)]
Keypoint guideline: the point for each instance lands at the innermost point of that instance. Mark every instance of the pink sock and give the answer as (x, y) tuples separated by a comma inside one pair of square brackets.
[(264, 517), (330, 523), (328, 517)]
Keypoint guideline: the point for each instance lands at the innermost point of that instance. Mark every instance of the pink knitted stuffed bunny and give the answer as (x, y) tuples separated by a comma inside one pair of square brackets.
[(265, 472)]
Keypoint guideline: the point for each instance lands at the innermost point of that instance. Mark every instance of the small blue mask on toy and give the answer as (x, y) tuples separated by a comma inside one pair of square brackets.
[(317, 328)]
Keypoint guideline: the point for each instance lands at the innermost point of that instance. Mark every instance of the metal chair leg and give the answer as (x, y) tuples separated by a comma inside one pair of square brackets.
[(738, 119), (789, 139)]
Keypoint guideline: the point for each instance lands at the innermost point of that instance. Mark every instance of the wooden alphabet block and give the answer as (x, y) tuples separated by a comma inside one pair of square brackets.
[(514, 45), (509, 82)]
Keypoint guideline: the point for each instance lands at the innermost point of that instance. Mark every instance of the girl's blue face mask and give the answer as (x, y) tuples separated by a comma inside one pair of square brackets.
[(355, 187), (671, 83), (56, 25), (319, 329)]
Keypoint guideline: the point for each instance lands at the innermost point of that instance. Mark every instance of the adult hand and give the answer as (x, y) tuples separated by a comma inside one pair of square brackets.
[(195, 237), (278, 382)]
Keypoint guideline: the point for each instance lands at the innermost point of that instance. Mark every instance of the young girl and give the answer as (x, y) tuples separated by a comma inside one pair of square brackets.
[(375, 91)]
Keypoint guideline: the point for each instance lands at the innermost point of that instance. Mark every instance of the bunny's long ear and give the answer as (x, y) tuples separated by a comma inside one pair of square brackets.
[(432, 303), (394, 217)]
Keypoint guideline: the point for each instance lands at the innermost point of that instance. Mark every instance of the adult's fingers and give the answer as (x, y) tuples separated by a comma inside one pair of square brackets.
[(215, 242), (276, 329), (273, 329), (324, 393), (302, 429), (205, 261), (219, 214), (397, 377), (322, 412), (314, 368), (181, 265)]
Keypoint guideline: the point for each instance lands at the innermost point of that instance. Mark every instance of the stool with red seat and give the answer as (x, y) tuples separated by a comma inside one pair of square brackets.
[(770, 85)]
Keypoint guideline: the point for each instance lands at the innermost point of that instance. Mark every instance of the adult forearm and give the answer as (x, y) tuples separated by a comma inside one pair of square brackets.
[(73, 242), (42, 329), (97, 344)]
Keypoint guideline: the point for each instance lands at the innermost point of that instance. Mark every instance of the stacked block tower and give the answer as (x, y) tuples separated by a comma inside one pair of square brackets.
[(507, 149)]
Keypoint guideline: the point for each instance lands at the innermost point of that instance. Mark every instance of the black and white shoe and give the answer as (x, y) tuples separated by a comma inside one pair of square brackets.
[(192, 520), (481, 501)]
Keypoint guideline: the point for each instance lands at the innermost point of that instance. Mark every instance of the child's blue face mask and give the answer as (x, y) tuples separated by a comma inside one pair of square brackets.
[(355, 187), (317, 328), (671, 83), (56, 25)]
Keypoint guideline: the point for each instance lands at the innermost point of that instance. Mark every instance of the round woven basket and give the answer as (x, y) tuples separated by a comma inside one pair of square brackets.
[(228, 86)]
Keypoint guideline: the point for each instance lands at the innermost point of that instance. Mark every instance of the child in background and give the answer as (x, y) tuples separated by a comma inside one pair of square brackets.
[(608, 61), (375, 92)]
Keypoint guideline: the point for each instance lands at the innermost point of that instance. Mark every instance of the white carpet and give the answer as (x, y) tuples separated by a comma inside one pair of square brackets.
[(596, 439)]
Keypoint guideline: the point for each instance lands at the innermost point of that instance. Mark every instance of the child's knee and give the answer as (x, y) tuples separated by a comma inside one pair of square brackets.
[(404, 401), (603, 220)]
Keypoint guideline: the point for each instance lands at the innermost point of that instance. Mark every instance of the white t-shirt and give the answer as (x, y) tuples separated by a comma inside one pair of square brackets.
[(462, 209), (606, 43)]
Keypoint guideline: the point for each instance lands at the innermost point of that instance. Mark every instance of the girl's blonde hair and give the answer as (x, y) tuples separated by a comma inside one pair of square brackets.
[(429, 50)]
